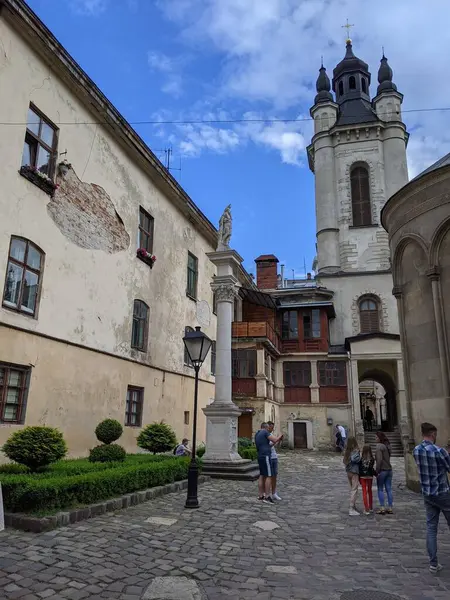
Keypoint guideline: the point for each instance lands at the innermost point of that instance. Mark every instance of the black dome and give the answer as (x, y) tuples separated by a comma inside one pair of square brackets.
[(349, 63), (385, 75), (323, 87)]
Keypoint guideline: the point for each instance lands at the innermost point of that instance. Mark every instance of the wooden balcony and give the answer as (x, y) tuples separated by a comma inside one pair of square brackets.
[(244, 387), (257, 329)]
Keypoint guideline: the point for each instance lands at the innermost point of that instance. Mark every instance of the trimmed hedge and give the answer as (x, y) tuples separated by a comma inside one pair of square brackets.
[(249, 453), (108, 431), (30, 493), (107, 453)]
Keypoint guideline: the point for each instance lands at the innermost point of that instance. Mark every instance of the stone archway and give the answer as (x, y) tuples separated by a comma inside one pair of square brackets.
[(385, 380)]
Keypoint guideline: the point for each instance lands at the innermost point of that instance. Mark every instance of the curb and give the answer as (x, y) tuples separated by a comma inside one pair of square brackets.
[(40, 524)]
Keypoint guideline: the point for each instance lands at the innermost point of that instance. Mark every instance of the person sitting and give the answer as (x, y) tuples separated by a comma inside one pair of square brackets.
[(182, 449)]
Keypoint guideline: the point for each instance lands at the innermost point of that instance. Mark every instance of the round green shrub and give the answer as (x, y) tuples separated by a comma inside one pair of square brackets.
[(35, 447), (108, 431), (107, 453), (157, 437), (201, 450), (244, 442)]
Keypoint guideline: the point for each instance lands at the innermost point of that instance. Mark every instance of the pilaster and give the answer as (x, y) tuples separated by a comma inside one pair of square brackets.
[(314, 386)]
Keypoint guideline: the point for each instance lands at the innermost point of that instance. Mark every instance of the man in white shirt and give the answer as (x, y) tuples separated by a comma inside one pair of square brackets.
[(273, 463), (343, 436)]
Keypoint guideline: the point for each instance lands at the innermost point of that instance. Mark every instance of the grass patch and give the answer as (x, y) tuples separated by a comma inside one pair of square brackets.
[(75, 483)]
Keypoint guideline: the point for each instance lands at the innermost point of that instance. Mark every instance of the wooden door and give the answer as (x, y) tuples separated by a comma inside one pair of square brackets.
[(300, 439), (245, 426)]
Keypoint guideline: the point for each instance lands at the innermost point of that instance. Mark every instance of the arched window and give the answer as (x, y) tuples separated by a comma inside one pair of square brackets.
[(352, 83), (359, 180), (187, 360), (140, 326), (369, 315), (364, 85), (23, 276), (341, 88)]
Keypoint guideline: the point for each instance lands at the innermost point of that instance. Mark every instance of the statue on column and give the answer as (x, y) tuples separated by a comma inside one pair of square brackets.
[(225, 227)]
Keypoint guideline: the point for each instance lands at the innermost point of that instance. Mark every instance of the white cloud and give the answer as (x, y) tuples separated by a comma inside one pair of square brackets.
[(88, 7), (170, 68), (270, 51)]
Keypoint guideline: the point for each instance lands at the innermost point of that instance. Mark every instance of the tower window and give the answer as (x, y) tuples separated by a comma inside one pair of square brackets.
[(352, 83), (364, 85), (359, 180), (369, 315), (341, 88)]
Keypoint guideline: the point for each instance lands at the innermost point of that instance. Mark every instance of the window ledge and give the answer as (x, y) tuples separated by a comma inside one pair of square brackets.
[(146, 259), (46, 185), (191, 297), (372, 225)]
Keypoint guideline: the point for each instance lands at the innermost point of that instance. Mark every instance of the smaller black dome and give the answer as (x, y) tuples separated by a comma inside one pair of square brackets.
[(385, 75), (323, 87)]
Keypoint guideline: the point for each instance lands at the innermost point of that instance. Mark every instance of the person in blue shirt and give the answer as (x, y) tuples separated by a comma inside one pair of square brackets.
[(433, 464), (262, 442)]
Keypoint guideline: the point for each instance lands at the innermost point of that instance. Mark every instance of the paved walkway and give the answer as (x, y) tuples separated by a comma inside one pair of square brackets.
[(227, 548)]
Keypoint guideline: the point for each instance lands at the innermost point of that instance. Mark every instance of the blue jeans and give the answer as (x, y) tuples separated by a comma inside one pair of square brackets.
[(434, 505), (384, 480)]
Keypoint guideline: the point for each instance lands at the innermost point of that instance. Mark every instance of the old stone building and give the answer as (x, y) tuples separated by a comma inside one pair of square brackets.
[(90, 326), (417, 219), (303, 348)]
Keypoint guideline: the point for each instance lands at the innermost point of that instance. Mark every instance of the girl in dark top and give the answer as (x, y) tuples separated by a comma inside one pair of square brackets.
[(366, 473), (352, 458), (384, 473)]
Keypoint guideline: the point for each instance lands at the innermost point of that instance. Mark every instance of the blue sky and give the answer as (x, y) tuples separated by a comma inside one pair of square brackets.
[(165, 60)]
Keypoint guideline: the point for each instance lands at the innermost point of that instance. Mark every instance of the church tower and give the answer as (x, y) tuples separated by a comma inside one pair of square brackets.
[(358, 156)]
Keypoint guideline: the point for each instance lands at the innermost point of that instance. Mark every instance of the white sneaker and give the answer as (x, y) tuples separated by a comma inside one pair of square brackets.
[(436, 569), (276, 497), (353, 512)]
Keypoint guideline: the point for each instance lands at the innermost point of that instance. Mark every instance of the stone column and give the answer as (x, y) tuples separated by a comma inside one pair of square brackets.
[(358, 423), (314, 387), (434, 275), (222, 414), (406, 427), (261, 380)]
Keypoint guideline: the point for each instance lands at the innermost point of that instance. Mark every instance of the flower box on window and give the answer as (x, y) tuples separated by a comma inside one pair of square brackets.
[(40, 179), (145, 256)]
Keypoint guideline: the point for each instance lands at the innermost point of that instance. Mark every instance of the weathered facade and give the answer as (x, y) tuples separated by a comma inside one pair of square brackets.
[(90, 325), (417, 219), (302, 358)]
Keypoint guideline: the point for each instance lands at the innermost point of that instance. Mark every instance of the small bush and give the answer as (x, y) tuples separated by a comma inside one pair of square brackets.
[(200, 450), (108, 431), (30, 493), (35, 447), (157, 437), (244, 442), (249, 453), (107, 453)]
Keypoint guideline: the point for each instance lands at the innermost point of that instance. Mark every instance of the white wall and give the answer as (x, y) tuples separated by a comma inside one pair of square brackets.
[(87, 295)]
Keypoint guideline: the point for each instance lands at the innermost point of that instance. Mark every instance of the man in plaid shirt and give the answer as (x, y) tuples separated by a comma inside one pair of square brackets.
[(433, 464)]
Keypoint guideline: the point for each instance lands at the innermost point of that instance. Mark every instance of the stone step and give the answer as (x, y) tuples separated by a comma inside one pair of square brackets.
[(246, 470)]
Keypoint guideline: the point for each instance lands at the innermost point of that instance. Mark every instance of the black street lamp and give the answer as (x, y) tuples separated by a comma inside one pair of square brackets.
[(197, 346)]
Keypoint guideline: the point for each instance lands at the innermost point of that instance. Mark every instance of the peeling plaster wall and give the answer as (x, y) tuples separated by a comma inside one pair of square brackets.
[(90, 234)]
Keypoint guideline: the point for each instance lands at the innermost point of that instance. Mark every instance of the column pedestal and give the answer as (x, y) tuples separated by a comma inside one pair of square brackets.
[(221, 458)]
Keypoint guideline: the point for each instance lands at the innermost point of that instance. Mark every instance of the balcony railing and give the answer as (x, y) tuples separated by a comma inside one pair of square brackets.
[(257, 329)]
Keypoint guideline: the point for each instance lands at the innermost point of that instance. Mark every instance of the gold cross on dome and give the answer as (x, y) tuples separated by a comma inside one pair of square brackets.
[(347, 26)]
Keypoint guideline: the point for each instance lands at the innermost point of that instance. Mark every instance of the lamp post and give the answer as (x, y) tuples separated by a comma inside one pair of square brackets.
[(197, 346)]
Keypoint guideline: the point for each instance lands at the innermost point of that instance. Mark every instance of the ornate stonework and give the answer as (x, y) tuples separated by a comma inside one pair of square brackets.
[(225, 292), (384, 315)]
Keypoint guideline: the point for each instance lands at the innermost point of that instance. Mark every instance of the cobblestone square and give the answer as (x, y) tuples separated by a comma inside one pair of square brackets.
[(311, 550)]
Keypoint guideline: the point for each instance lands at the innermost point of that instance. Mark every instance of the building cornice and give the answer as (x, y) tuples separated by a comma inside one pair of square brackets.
[(18, 14)]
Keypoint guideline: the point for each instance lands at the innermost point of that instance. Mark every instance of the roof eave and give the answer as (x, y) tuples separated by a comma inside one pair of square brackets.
[(27, 24)]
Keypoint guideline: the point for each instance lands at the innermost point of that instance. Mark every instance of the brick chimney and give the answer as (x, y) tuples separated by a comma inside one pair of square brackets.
[(266, 272)]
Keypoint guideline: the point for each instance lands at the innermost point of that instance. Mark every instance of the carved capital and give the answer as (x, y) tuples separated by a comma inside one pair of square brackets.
[(225, 292), (434, 273), (397, 291)]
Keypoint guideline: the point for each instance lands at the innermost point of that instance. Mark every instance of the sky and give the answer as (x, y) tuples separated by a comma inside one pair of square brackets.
[(238, 60)]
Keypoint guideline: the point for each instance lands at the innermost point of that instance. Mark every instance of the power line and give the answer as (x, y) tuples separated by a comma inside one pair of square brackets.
[(214, 121)]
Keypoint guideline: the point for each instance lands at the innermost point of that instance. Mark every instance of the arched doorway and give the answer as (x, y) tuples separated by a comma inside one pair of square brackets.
[(387, 415)]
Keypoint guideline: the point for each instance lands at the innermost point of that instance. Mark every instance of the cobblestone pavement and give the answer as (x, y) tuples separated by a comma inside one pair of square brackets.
[(304, 548)]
